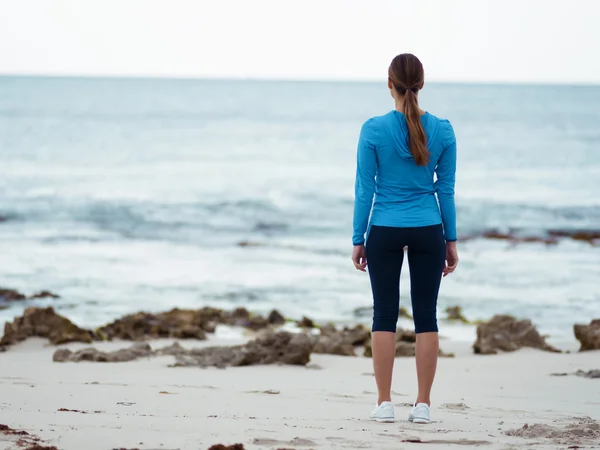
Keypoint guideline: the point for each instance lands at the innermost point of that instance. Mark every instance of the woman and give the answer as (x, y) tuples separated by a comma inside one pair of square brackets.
[(398, 155)]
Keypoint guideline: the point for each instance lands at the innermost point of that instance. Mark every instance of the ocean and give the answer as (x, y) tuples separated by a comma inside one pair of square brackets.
[(143, 194)]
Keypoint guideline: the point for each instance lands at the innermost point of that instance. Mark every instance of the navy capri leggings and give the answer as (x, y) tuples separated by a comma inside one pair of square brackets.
[(426, 260)]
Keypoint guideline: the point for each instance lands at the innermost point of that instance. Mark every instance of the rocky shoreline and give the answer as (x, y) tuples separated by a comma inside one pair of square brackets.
[(271, 345), (548, 237)]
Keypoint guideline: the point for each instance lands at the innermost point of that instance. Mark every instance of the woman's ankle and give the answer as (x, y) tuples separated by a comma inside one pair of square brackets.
[(384, 398)]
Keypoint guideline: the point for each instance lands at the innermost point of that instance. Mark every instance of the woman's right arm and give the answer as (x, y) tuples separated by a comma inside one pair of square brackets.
[(444, 185)]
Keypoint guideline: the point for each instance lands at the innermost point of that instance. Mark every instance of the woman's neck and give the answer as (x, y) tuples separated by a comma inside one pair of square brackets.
[(399, 106)]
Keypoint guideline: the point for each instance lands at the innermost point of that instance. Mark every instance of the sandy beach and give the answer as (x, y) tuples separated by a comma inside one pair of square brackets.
[(146, 404)]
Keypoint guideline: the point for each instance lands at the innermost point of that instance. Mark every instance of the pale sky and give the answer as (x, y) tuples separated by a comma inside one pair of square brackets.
[(457, 40)]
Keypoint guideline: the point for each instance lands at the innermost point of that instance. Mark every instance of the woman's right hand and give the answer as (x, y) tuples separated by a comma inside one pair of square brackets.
[(451, 258)]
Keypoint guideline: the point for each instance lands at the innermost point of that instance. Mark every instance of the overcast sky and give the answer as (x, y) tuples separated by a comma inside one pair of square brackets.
[(457, 40)]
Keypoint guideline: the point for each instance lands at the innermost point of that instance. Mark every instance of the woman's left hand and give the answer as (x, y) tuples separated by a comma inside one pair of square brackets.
[(359, 258)]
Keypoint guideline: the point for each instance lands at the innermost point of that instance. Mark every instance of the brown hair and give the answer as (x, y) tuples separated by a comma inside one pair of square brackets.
[(407, 75)]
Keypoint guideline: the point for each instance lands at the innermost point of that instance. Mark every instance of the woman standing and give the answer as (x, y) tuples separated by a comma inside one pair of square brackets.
[(398, 155)]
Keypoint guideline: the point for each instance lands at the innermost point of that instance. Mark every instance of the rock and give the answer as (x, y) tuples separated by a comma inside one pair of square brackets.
[(249, 244), (516, 236), (10, 295), (44, 294), (274, 348), (241, 317), (405, 345), (8, 431), (184, 323), (334, 345), (172, 350), (176, 323), (328, 329), (23, 439), (227, 447), (36, 446), (367, 311), (403, 312), (275, 318), (590, 236), (306, 323), (45, 323), (589, 374), (139, 350), (341, 342), (454, 313), (357, 335), (506, 333), (588, 335)]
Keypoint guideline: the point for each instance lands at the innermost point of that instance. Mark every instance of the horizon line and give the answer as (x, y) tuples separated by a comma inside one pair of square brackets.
[(294, 79)]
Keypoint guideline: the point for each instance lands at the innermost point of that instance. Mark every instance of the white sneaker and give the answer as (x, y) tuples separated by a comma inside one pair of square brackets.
[(420, 413), (384, 413)]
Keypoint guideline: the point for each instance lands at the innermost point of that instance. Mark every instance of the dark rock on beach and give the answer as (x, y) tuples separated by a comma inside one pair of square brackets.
[(334, 345), (306, 323), (41, 447), (595, 373), (341, 342), (506, 333), (275, 318), (8, 431), (241, 317), (136, 351), (10, 295), (550, 237), (454, 313), (588, 335), (249, 244), (272, 348), (44, 294), (23, 439), (591, 236), (516, 237), (184, 323), (177, 323), (44, 323), (227, 447), (403, 312), (367, 311)]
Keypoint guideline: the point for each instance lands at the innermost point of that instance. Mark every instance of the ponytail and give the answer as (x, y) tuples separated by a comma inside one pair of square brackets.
[(417, 139)]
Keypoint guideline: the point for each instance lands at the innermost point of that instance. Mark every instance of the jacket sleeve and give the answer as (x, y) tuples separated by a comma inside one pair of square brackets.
[(444, 185), (364, 188)]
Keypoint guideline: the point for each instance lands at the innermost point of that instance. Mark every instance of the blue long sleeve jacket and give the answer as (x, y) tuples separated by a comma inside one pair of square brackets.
[(391, 189)]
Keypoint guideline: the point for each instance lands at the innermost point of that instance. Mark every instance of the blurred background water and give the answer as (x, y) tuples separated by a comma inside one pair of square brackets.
[(134, 194)]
